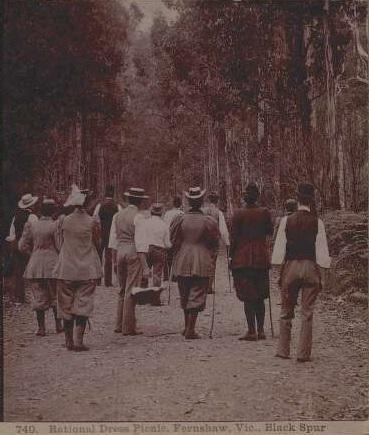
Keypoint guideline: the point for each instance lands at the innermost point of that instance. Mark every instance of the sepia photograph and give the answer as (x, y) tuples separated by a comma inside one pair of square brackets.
[(184, 217)]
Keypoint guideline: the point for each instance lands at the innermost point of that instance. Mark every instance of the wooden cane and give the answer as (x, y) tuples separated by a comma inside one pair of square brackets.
[(229, 273), (213, 312), (169, 281), (270, 313)]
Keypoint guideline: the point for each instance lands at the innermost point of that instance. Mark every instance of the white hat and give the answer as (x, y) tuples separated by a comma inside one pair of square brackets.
[(76, 197), (136, 192), (27, 200), (195, 193)]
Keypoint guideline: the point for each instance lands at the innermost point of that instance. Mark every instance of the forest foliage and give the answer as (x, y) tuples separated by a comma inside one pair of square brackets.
[(230, 91)]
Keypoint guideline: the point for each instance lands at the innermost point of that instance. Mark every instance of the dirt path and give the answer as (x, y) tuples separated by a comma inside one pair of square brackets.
[(160, 376)]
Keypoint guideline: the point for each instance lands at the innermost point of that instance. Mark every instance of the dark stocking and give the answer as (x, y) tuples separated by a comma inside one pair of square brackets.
[(250, 316)]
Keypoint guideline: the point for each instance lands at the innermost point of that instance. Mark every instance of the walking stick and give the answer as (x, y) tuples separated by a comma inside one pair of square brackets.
[(213, 311), (169, 281), (229, 273), (270, 313)]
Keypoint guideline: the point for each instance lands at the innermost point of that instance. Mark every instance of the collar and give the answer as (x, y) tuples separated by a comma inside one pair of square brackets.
[(46, 218), (132, 205), (303, 207)]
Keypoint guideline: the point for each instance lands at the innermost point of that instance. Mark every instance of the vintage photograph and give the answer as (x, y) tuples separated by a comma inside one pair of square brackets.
[(184, 215)]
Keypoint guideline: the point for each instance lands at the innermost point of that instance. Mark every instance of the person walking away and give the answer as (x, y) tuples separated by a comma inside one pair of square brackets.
[(39, 241), (251, 226), (105, 210), (23, 214), (195, 239), (77, 270), (127, 236), (158, 240), (213, 210), (168, 218), (301, 247)]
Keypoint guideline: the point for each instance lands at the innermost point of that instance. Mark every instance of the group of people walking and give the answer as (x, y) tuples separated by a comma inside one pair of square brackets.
[(65, 259)]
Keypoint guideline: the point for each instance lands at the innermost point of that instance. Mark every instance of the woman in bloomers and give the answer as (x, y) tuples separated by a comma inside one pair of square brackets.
[(78, 269), (39, 240)]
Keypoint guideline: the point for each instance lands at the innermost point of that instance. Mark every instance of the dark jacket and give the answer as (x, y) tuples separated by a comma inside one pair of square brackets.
[(249, 229)]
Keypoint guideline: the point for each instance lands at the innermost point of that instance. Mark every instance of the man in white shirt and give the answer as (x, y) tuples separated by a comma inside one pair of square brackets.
[(300, 246), (212, 209), (158, 240), (168, 219)]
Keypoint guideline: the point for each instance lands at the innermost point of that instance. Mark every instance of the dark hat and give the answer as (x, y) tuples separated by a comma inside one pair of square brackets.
[(213, 196), (109, 190), (252, 192), (136, 192), (157, 209), (291, 205), (195, 193), (305, 191)]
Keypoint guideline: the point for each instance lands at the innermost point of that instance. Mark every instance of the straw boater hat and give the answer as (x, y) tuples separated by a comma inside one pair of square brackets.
[(27, 200), (195, 193), (157, 209), (136, 192), (75, 198)]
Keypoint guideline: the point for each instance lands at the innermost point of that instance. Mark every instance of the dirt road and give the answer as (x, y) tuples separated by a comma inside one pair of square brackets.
[(161, 376)]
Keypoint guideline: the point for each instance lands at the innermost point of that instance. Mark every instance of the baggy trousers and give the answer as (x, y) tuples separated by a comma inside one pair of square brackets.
[(129, 276), (108, 260), (304, 276)]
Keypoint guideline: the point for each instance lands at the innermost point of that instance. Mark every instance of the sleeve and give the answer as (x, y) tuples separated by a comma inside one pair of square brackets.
[(176, 232), (279, 249), (96, 211), (25, 243), (167, 242), (321, 247), (268, 223), (96, 232), (140, 235), (235, 223), (224, 234), (213, 234), (11, 236), (113, 233)]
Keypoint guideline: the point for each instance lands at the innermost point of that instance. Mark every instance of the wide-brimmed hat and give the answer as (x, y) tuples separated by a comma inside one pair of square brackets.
[(48, 201), (305, 191), (27, 200), (76, 198), (136, 192), (195, 193), (157, 209)]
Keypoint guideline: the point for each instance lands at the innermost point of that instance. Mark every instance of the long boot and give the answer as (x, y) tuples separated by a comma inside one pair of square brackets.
[(68, 331), (260, 316), (58, 322), (40, 315), (250, 318), (119, 319), (190, 333), (80, 330)]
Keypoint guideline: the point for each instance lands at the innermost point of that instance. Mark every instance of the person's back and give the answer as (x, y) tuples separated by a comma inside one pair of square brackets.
[(78, 259), (301, 232), (107, 210), (198, 235), (125, 225)]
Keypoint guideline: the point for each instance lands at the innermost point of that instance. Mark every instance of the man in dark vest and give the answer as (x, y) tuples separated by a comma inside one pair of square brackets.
[(105, 211), (300, 246), (23, 214)]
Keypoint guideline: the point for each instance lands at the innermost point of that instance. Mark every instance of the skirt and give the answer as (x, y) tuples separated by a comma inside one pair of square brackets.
[(251, 284), (43, 292), (75, 298), (193, 291)]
